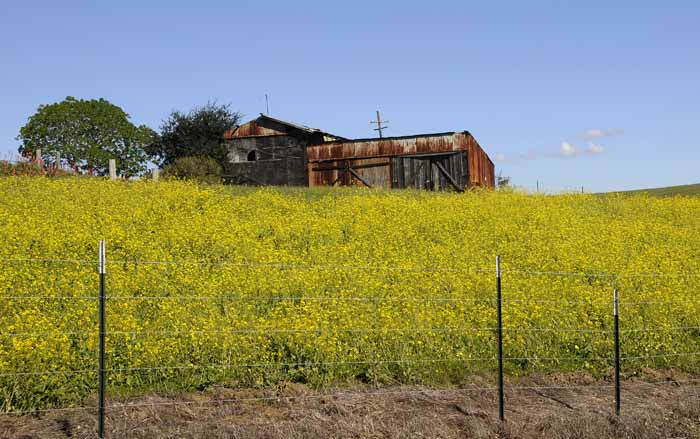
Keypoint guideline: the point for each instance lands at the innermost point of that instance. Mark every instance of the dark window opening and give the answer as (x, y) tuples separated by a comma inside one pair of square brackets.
[(252, 156)]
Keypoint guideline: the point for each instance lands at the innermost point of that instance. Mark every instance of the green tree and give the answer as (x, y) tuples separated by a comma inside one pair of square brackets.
[(198, 133), (87, 134)]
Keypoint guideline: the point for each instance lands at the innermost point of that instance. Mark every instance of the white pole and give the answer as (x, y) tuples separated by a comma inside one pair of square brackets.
[(155, 173), (112, 169)]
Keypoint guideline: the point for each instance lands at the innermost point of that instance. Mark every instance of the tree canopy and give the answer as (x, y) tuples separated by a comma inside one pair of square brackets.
[(198, 133), (86, 134)]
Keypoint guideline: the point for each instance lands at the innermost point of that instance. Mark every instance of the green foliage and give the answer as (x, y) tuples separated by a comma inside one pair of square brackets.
[(197, 133), (86, 134), (202, 169)]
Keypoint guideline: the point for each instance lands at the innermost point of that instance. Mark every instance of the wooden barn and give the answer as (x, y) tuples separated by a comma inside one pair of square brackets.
[(269, 151), (443, 161)]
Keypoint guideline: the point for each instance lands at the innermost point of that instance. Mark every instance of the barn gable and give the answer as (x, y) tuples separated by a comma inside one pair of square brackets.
[(270, 151)]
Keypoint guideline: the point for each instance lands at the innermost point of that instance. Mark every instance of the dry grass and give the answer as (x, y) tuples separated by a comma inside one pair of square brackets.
[(658, 411)]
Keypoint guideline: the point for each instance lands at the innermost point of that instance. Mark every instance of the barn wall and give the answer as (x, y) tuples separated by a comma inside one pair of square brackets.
[(481, 168), (279, 160), (278, 172), (407, 162)]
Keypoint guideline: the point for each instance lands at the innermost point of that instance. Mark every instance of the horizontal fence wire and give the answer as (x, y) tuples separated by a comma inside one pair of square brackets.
[(48, 373), (46, 334), (331, 330), (342, 363), (479, 269), (415, 299), (260, 298), (358, 362), (46, 411), (348, 330), (644, 357), (661, 382), (661, 329), (303, 363), (287, 266), (516, 271), (50, 260), (235, 298), (658, 302), (308, 397), (296, 364), (359, 299), (309, 331)]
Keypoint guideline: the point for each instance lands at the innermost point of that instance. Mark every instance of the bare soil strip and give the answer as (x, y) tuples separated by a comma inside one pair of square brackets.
[(536, 407)]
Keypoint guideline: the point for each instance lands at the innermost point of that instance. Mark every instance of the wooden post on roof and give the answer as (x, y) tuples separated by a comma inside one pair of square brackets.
[(380, 125)]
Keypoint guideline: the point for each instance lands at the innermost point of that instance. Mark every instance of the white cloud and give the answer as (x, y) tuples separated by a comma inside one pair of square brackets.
[(568, 150), (595, 148), (593, 133), (597, 133)]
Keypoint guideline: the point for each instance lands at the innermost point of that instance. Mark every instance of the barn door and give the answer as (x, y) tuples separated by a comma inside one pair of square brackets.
[(430, 171)]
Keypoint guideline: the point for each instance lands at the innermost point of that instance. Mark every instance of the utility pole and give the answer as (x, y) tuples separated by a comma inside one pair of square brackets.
[(379, 123), (267, 104)]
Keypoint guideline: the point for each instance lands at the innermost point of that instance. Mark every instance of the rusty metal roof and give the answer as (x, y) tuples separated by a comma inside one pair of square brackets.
[(254, 128), (392, 146), (413, 136), (292, 124)]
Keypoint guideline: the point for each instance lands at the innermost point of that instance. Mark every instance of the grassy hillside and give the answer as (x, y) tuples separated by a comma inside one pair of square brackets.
[(255, 287), (689, 190)]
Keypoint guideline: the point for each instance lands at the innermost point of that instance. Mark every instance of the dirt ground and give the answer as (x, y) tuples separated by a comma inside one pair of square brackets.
[(536, 407)]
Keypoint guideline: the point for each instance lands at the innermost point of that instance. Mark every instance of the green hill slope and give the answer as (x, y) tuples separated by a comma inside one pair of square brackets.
[(690, 190)]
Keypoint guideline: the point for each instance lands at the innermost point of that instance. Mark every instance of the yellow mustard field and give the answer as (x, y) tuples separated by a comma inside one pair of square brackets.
[(255, 287)]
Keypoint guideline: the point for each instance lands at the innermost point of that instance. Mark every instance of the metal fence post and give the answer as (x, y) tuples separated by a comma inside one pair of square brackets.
[(617, 351), (101, 404), (501, 399)]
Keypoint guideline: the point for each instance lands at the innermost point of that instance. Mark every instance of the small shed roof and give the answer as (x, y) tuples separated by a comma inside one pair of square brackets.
[(265, 125)]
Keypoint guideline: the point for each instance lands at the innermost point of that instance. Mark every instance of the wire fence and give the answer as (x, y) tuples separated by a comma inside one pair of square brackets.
[(491, 336)]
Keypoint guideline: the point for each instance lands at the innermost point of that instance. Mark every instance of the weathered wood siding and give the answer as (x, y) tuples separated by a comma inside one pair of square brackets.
[(423, 173), (267, 151), (402, 162), (278, 160)]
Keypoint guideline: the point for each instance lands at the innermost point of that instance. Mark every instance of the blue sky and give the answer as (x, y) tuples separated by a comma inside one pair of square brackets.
[(604, 95)]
